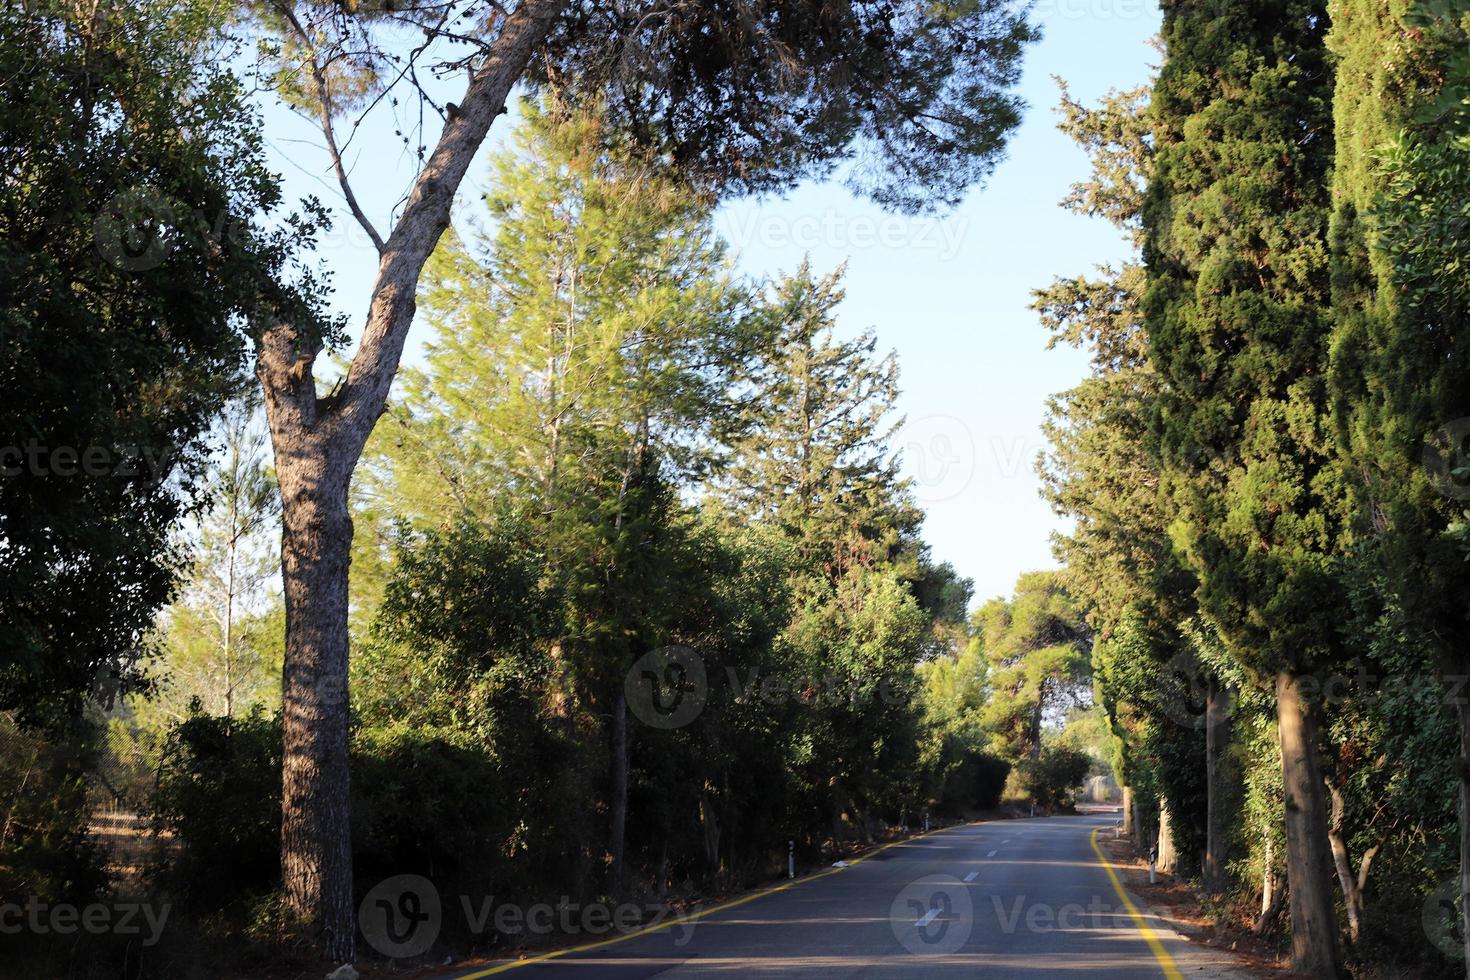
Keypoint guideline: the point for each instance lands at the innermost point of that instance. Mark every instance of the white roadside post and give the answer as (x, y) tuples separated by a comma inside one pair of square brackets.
[(791, 860)]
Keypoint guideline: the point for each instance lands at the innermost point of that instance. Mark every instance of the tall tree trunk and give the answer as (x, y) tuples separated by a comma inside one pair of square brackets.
[(316, 839), (231, 546), (1462, 713), (1315, 948), (1166, 856), (1217, 738), (617, 832), (709, 824), (1138, 823), (317, 443), (1036, 720), (1127, 811)]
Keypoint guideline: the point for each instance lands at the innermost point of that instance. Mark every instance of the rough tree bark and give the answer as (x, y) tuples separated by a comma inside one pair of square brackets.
[(1217, 738), (1462, 714), (1127, 811), (1138, 830), (617, 833), (1315, 949), (1272, 896), (317, 443)]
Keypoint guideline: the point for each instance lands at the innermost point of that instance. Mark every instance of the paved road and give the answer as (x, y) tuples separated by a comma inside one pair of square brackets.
[(1019, 898)]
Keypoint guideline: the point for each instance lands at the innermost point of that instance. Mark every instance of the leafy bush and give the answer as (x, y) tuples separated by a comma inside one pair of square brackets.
[(45, 849), (472, 817), (976, 783), (219, 795), (1050, 780)]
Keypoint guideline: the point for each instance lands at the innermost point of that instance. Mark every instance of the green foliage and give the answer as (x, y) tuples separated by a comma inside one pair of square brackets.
[(974, 783), (1050, 778), (141, 239), (219, 797), (595, 367), (1399, 357), (811, 455), (46, 850), (464, 808), (1236, 219), (913, 100), (915, 96), (1037, 646), (1402, 314)]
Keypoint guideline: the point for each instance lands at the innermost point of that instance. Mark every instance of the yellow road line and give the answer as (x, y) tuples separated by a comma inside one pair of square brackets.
[(1160, 953), (691, 917)]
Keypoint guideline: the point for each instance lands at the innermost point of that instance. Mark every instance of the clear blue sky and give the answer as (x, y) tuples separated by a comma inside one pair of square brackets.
[(951, 296)]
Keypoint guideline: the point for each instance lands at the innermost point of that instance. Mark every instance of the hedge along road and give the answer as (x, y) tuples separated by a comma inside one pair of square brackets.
[(1020, 898)]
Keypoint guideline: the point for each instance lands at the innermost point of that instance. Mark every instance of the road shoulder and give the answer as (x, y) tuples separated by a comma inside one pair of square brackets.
[(1204, 946)]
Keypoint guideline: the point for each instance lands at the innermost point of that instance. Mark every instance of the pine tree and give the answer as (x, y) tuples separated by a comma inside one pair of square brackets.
[(575, 378), (222, 636), (1103, 470), (810, 453), (915, 95), (1037, 645), (603, 313)]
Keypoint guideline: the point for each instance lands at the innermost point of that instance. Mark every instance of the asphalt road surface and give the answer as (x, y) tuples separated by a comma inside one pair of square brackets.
[(1016, 898)]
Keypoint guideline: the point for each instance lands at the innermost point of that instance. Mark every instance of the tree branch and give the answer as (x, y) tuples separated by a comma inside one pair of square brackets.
[(324, 109), (426, 216)]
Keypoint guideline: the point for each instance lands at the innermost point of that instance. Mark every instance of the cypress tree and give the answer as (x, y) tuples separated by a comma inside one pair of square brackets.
[(1236, 306)]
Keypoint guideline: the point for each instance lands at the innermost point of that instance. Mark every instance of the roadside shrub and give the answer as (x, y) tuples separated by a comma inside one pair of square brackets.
[(219, 795), (975, 783), (1050, 780), (472, 818), (46, 851)]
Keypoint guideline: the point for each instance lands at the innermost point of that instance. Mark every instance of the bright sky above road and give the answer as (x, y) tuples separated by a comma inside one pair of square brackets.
[(951, 295)]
